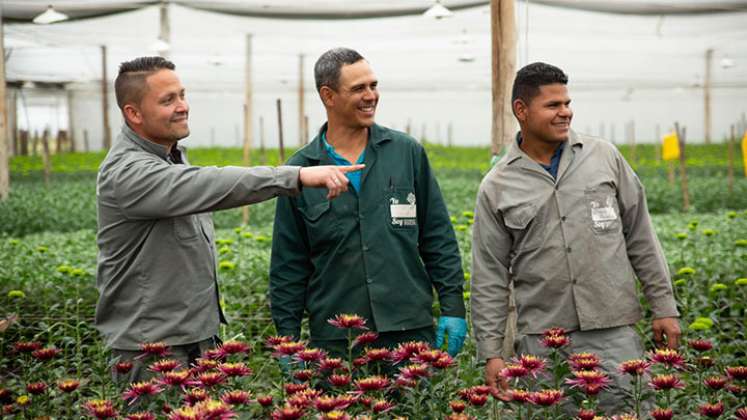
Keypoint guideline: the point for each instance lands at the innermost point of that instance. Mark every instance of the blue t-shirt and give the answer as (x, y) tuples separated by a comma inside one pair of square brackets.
[(552, 168), (354, 177)]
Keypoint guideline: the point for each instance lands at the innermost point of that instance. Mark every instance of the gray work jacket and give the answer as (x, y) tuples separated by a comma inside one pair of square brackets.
[(156, 271), (571, 247)]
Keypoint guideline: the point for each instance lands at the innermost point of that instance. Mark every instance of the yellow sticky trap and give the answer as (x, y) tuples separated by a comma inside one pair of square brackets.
[(671, 147), (744, 152)]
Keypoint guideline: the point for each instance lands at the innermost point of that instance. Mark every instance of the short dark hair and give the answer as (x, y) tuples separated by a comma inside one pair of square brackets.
[(327, 67), (130, 86), (532, 76)]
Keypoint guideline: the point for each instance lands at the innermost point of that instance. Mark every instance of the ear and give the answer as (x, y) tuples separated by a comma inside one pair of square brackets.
[(132, 114), (520, 110), (327, 95)]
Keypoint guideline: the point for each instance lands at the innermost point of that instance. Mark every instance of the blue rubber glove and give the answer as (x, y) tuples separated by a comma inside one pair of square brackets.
[(456, 330)]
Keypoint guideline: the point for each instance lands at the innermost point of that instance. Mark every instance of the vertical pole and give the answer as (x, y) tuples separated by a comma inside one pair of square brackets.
[(35, 143), (281, 145), (165, 28), (305, 129), (683, 172), (71, 121), (247, 115), (23, 138), (45, 156), (262, 150), (107, 138), (301, 112), (4, 159), (503, 61), (11, 122), (86, 144), (730, 168), (707, 96)]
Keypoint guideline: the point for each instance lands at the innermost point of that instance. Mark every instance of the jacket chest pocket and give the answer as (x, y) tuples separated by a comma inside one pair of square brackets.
[(186, 227), (321, 223), (602, 209), (402, 208), (525, 226)]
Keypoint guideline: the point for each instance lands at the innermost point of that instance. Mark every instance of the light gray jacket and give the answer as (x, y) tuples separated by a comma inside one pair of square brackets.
[(157, 262), (572, 248)]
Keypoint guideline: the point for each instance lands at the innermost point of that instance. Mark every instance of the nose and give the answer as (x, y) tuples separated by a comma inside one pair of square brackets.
[(182, 105), (370, 94), (565, 111)]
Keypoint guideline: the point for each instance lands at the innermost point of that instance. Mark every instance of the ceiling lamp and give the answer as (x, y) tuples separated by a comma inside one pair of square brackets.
[(50, 16), (438, 11), (727, 63), (160, 46)]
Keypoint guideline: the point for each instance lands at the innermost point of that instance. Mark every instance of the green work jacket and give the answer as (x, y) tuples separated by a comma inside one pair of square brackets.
[(378, 253)]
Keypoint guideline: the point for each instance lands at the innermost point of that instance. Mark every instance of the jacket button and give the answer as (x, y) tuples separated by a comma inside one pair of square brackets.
[(369, 280), (562, 218), (574, 281), (568, 250)]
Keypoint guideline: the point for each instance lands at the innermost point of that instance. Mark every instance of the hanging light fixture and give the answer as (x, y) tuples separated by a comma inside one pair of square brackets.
[(727, 62), (160, 46), (50, 16), (438, 11)]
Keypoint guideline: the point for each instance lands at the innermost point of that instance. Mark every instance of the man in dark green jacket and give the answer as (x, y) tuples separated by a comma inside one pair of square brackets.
[(381, 248)]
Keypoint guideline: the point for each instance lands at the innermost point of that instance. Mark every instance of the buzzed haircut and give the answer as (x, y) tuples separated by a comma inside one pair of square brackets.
[(130, 85), (328, 67), (532, 76)]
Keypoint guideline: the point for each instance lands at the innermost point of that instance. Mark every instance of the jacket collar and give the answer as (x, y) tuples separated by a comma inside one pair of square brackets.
[(147, 145), (315, 150), (515, 151)]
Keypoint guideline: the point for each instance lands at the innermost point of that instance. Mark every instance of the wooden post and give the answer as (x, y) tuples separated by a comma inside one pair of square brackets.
[(164, 27), (683, 171), (62, 141), (86, 145), (503, 62), (4, 159), (58, 142), (35, 144), (707, 96), (262, 150), (23, 138), (301, 112), (107, 138), (730, 151), (13, 122), (45, 156), (632, 141), (306, 129), (71, 121), (281, 146), (247, 115)]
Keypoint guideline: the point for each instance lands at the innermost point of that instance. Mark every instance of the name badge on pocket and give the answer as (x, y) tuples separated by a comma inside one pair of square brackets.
[(403, 214)]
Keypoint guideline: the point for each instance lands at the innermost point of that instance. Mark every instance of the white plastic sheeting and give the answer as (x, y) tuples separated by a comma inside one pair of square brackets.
[(642, 68)]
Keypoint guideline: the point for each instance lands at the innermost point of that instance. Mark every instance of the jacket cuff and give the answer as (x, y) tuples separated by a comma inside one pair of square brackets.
[(489, 349), (452, 305), (664, 307), (290, 332), (289, 178)]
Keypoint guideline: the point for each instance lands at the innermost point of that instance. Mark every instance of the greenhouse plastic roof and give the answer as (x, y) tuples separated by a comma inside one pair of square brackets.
[(26, 10)]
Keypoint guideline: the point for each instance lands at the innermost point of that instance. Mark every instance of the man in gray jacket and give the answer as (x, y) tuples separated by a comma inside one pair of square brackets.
[(157, 262), (563, 220)]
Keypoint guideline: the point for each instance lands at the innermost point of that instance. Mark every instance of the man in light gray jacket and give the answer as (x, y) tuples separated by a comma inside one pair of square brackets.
[(563, 219), (157, 262)]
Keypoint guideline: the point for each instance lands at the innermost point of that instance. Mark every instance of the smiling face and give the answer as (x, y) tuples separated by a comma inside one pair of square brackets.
[(547, 117), (162, 114), (354, 102)]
